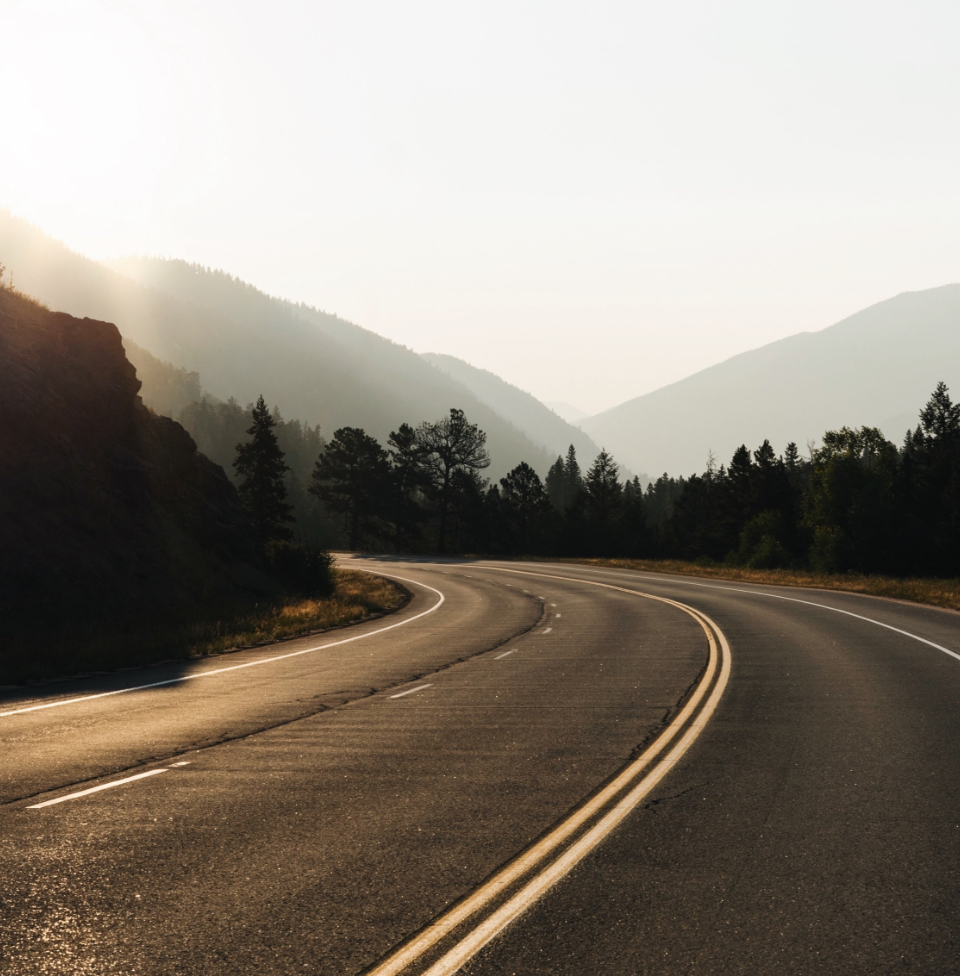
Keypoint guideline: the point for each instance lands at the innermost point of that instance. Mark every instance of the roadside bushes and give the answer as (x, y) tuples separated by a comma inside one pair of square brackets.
[(299, 569)]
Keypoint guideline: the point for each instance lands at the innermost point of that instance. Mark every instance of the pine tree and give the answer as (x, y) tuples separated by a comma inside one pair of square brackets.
[(603, 491), (791, 457), (352, 478), (556, 484), (523, 504), (573, 480), (602, 501), (409, 479), (940, 418), (261, 465), (634, 534), (764, 455)]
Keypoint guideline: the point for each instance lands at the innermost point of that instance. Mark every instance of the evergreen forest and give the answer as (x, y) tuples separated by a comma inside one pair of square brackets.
[(856, 503)]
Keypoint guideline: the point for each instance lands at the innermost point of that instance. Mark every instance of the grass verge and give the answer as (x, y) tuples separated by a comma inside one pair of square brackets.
[(97, 646), (935, 592)]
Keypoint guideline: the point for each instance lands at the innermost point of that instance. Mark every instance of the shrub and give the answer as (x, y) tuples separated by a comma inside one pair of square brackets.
[(760, 543), (300, 569)]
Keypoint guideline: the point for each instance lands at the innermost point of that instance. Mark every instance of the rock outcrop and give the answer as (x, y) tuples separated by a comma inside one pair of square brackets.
[(103, 505)]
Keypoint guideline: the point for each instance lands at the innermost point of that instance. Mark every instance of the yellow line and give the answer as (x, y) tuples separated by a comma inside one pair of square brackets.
[(495, 886), (539, 885)]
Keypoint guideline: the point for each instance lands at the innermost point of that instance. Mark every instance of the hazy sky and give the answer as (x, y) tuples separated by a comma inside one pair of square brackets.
[(589, 199)]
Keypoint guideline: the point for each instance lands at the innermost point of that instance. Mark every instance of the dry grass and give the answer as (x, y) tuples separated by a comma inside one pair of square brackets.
[(357, 597), (96, 646), (935, 592)]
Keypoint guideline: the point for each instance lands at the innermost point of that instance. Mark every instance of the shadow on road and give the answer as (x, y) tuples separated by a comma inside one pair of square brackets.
[(36, 692)]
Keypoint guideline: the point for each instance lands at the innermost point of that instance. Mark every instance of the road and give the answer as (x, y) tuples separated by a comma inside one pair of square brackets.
[(531, 768)]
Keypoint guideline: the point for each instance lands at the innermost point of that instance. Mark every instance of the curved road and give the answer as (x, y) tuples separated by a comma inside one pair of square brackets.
[(532, 768)]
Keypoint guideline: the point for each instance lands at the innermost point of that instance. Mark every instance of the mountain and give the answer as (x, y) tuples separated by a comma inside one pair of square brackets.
[(314, 366), (541, 424), (875, 368), (570, 413)]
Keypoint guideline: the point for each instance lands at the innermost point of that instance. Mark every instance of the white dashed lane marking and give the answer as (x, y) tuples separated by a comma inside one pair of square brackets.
[(105, 786), (410, 691)]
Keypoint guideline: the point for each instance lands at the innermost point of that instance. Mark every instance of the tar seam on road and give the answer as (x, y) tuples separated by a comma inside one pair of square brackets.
[(688, 718), (237, 667), (789, 599)]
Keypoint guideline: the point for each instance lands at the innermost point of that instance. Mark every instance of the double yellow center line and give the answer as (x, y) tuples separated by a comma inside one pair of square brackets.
[(632, 786)]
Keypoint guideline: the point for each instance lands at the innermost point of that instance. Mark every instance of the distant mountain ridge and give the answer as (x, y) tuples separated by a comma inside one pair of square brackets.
[(316, 367), (875, 368), (536, 419), (570, 413)]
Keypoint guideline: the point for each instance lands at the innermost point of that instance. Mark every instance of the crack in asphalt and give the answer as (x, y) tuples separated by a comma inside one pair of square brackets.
[(676, 796), (655, 730)]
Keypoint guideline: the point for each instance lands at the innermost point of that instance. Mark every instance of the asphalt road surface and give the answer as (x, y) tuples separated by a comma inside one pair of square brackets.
[(531, 768)]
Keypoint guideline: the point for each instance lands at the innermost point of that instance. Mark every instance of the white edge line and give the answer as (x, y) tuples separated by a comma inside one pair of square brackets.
[(248, 664), (410, 691), (788, 599), (97, 789)]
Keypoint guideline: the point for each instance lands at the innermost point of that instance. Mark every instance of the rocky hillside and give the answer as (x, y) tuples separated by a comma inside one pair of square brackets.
[(103, 504)]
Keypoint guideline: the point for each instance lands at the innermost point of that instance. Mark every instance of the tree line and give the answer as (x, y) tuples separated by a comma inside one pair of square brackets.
[(856, 503)]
